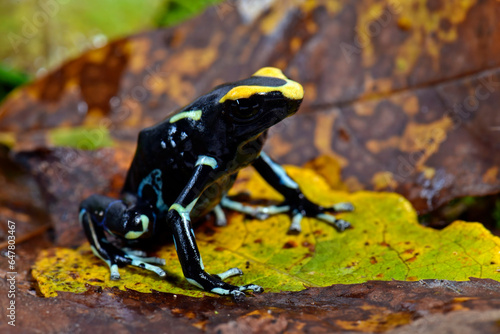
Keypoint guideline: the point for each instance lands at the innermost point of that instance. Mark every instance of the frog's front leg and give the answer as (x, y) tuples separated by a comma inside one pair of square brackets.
[(101, 213), (178, 218), (295, 201)]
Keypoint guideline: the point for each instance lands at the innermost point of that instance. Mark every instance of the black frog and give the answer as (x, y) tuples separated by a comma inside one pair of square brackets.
[(182, 170)]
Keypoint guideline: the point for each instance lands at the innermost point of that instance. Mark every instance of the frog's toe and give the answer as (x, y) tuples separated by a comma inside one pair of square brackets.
[(238, 296), (151, 259), (238, 292), (134, 252), (115, 274), (220, 216), (340, 224), (260, 215), (259, 212), (342, 207), (140, 263), (111, 261), (230, 273), (295, 227), (254, 287)]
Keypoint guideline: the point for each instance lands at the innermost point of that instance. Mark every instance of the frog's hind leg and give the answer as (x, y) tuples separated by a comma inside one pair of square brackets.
[(99, 214)]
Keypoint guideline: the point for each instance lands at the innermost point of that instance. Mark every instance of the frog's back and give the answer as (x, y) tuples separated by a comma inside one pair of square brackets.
[(159, 150)]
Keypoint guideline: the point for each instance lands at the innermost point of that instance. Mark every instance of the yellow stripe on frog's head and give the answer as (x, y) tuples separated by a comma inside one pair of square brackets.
[(272, 72), (290, 89)]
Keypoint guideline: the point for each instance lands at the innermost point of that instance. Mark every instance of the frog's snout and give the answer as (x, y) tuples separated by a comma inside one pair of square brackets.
[(291, 89), (264, 81)]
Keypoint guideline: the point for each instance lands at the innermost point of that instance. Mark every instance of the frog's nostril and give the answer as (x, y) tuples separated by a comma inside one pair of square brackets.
[(137, 220)]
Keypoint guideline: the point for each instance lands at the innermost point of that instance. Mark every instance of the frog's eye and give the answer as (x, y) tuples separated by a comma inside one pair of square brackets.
[(141, 220), (244, 108), (137, 220)]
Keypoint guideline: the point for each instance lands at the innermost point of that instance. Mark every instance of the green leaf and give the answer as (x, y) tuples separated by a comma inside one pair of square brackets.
[(40, 34), (177, 10), (10, 79), (385, 243)]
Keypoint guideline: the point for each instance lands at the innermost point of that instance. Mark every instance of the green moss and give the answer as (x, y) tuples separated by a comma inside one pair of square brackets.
[(81, 137)]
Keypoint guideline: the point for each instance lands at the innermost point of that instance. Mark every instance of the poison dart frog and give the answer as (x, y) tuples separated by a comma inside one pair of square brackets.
[(182, 170)]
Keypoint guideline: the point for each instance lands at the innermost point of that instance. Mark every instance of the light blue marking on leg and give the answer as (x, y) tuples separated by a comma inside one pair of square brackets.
[(115, 275), (92, 232), (344, 206), (280, 172), (148, 259), (206, 160), (259, 212), (230, 273), (296, 223), (80, 215), (200, 260), (220, 216), (113, 268), (221, 291), (340, 224), (134, 252), (192, 281), (160, 272), (154, 180), (254, 287), (184, 212)]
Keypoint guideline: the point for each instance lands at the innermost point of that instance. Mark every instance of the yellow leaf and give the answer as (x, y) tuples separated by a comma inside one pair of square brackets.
[(385, 243)]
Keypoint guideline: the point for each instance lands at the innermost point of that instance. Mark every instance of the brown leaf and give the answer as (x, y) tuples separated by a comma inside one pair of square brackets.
[(369, 307), (66, 176), (402, 103)]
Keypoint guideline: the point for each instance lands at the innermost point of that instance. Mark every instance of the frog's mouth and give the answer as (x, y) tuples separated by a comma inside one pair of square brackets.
[(280, 107)]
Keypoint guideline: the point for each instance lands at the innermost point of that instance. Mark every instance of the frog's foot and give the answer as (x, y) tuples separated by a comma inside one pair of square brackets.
[(215, 284), (115, 257), (299, 210), (309, 209), (340, 224), (341, 207), (237, 272)]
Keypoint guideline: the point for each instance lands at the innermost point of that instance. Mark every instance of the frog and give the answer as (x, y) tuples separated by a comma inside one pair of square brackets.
[(182, 170)]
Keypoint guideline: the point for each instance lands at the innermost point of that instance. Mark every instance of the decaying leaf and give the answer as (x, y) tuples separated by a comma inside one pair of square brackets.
[(399, 96), (374, 306), (385, 243), (39, 34)]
